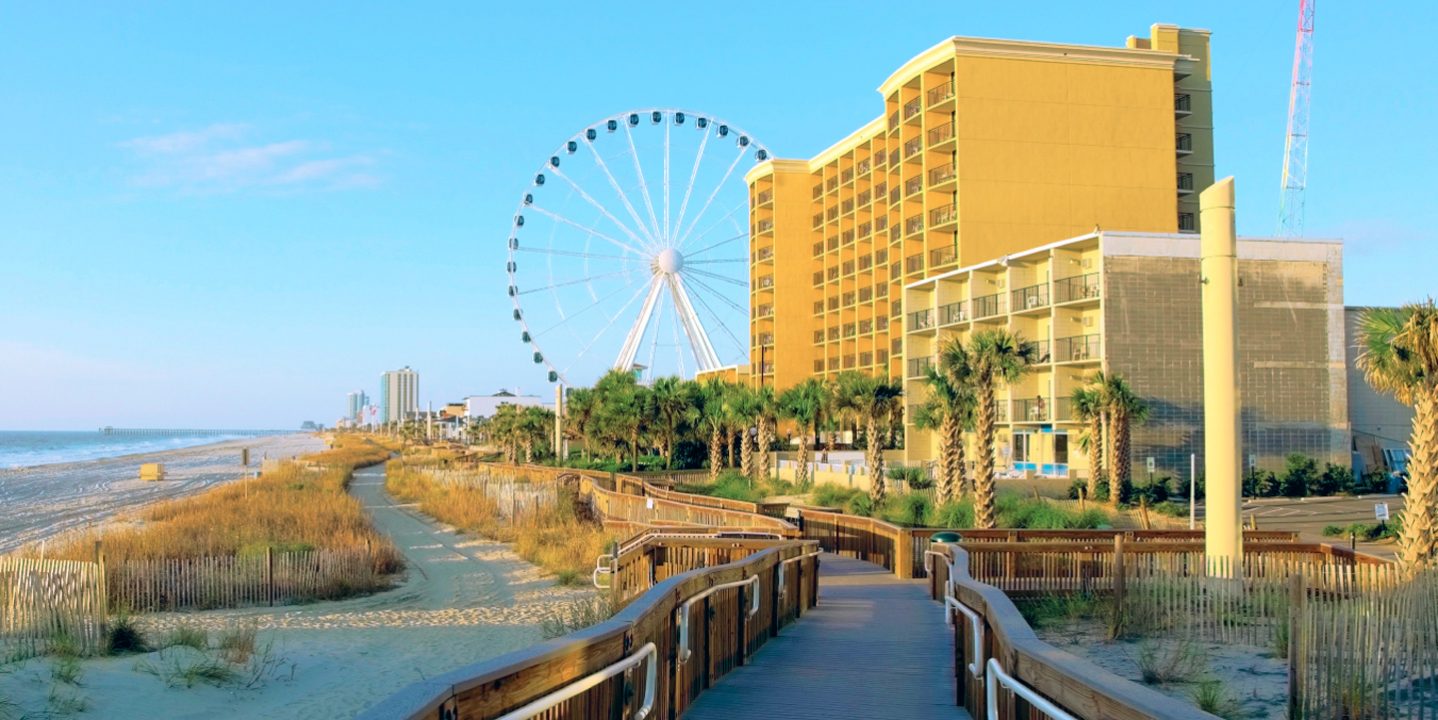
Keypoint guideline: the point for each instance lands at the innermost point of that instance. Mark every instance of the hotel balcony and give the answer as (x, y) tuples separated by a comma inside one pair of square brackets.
[(943, 215), (1078, 287), (763, 226), (1032, 297), (912, 148), (942, 174), (1078, 348), (1038, 351), (1187, 222), (921, 320), (914, 264), (1039, 409), (1183, 143), (988, 306), (764, 198), (940, 93), (918, 367), (943, 256), (955, 312), (912, 109), (1182, 104), (941, 134), (1185, 183), (913, 224)]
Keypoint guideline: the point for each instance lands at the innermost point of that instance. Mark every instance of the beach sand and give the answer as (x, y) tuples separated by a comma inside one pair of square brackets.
[(462, 600), (40, 502)]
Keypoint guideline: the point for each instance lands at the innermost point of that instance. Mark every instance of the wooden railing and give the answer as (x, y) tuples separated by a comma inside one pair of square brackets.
[(615, 668), (659, 557), (988, 626), (658, 511)]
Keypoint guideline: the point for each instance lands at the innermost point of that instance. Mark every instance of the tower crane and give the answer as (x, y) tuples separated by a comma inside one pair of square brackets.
[(1295, 152)]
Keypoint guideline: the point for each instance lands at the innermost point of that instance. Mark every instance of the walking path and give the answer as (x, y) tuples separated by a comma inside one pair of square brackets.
[(464, 599), (875, 647)]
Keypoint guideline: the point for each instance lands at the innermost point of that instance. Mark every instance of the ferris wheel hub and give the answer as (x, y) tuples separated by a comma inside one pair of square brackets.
[(669, 261)]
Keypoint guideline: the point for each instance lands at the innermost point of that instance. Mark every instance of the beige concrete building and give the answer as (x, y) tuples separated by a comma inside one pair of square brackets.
[(1128, 303)]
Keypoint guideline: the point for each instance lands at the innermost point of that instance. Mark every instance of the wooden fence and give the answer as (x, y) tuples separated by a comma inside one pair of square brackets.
[(659, 557), (270, 578), (515, 495), (612, 669), (653, 510), (43, 602)]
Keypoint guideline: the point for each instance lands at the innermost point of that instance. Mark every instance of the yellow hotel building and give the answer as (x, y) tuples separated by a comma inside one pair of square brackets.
[(984, 148)]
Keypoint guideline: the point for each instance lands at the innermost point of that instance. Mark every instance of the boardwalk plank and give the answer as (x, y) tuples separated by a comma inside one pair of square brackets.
[(875, 647)]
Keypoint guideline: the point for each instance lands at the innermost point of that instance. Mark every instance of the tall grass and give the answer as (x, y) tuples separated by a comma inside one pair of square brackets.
[(556, 538), (296, 506), (917, 510), (734, 485)]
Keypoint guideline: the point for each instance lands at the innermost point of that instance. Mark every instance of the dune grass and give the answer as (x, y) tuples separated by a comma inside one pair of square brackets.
[(557, 539), (917, 509), (734, 485), (300, 505)]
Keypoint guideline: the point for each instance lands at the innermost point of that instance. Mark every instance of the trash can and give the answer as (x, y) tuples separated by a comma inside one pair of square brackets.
[(947, 536)]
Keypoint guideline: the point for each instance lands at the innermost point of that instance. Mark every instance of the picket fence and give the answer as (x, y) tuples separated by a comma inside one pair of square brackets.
[(515, 495), (43, 602)]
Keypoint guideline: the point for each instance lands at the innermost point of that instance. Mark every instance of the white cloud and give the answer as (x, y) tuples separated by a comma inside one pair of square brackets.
[(224, 157)]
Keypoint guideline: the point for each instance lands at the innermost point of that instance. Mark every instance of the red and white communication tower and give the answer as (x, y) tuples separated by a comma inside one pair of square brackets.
[(1295, 152)]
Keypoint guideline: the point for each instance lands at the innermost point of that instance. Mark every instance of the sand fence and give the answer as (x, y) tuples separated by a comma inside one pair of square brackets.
[(515, 495), (48, 602)]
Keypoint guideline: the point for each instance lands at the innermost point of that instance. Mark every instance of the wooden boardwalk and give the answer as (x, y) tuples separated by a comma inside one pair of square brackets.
[(875, 647)]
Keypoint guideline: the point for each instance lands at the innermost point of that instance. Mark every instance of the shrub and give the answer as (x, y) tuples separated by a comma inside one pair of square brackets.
[(1335, 479), (953, 515), (911, 509), (1180, 661), (1301, 476), (1210, 697), (124, 637), (832, 495), (1334, 531), (859, 504)]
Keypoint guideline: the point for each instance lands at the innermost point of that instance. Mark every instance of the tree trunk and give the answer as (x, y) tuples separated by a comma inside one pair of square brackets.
[(1416, 543), (984, 463), (746, 454), (1109, 462), (1095, 455), (949, 454), (634, 452), (874, 458), (828, 444), (729, 447), (801, 473), (1122, 463), (761, 463), (716, 452), (528, 451)]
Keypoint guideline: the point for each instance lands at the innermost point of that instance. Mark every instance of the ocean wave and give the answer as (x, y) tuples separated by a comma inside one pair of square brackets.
[(22, 449)]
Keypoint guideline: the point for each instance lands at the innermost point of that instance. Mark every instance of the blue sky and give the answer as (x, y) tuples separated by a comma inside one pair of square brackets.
[(234, 213)]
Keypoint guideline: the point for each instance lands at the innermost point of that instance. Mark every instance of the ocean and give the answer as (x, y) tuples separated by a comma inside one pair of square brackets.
[(24, 448)]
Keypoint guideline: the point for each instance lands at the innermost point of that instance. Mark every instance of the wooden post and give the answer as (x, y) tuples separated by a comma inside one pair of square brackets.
[(1118, 585), (270, 574), (103, 583), (904, 554), (1297, 595)]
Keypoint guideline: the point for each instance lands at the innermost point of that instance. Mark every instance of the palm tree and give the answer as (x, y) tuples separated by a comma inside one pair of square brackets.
[(623, 409), (950, 411), (673, 405), (1088, 408), (995, 356), (1400, 357), (766, 408), (1124, 407), (580, 405), (713, 417), (504, 429), (743, 409), (804, 404), (533, 425), (870, 400)]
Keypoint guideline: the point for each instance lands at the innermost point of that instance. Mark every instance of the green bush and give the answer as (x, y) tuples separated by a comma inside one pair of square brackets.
[(860, 504), (1171, 509), (953, 515), (911, 509), (1301, 476), (832, 495)]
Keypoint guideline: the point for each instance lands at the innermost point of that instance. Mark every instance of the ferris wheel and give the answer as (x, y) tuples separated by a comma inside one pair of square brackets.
[(629, 249)]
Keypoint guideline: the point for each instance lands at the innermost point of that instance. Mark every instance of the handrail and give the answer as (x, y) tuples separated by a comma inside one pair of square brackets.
[(646, 655), (684, 650), (783, 586), (1043, 704), (976, 628)]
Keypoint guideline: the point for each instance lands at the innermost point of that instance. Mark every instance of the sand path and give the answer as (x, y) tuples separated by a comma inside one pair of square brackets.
[(47, 500), (462, 600)]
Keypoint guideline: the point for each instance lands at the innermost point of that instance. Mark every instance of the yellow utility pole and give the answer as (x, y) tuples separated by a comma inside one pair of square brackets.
[(1218, 266)]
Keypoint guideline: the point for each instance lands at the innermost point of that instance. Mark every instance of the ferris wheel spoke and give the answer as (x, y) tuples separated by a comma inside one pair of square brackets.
[(623, 197), (723, 242), (598, 302), (654, 336), (587, 346), (643, 185), (710, 201), (717, 320), (566, 283), (667, 126), (587, 255), (679, 347), (719, 277), (560, 218), (728, 216), (598, 206), (720, 296), (713, 262), (704, 356), (632, 340), (693, 175)]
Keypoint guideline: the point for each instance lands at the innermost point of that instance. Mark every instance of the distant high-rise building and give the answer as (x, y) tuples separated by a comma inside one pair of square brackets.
[(357, 402), (398, 394)]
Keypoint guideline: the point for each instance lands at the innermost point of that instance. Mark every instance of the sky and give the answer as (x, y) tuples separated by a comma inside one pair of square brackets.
[(232, 214)]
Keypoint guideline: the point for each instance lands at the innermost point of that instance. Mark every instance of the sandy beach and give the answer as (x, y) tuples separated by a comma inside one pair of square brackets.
[(462, 600), (46, 500)]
